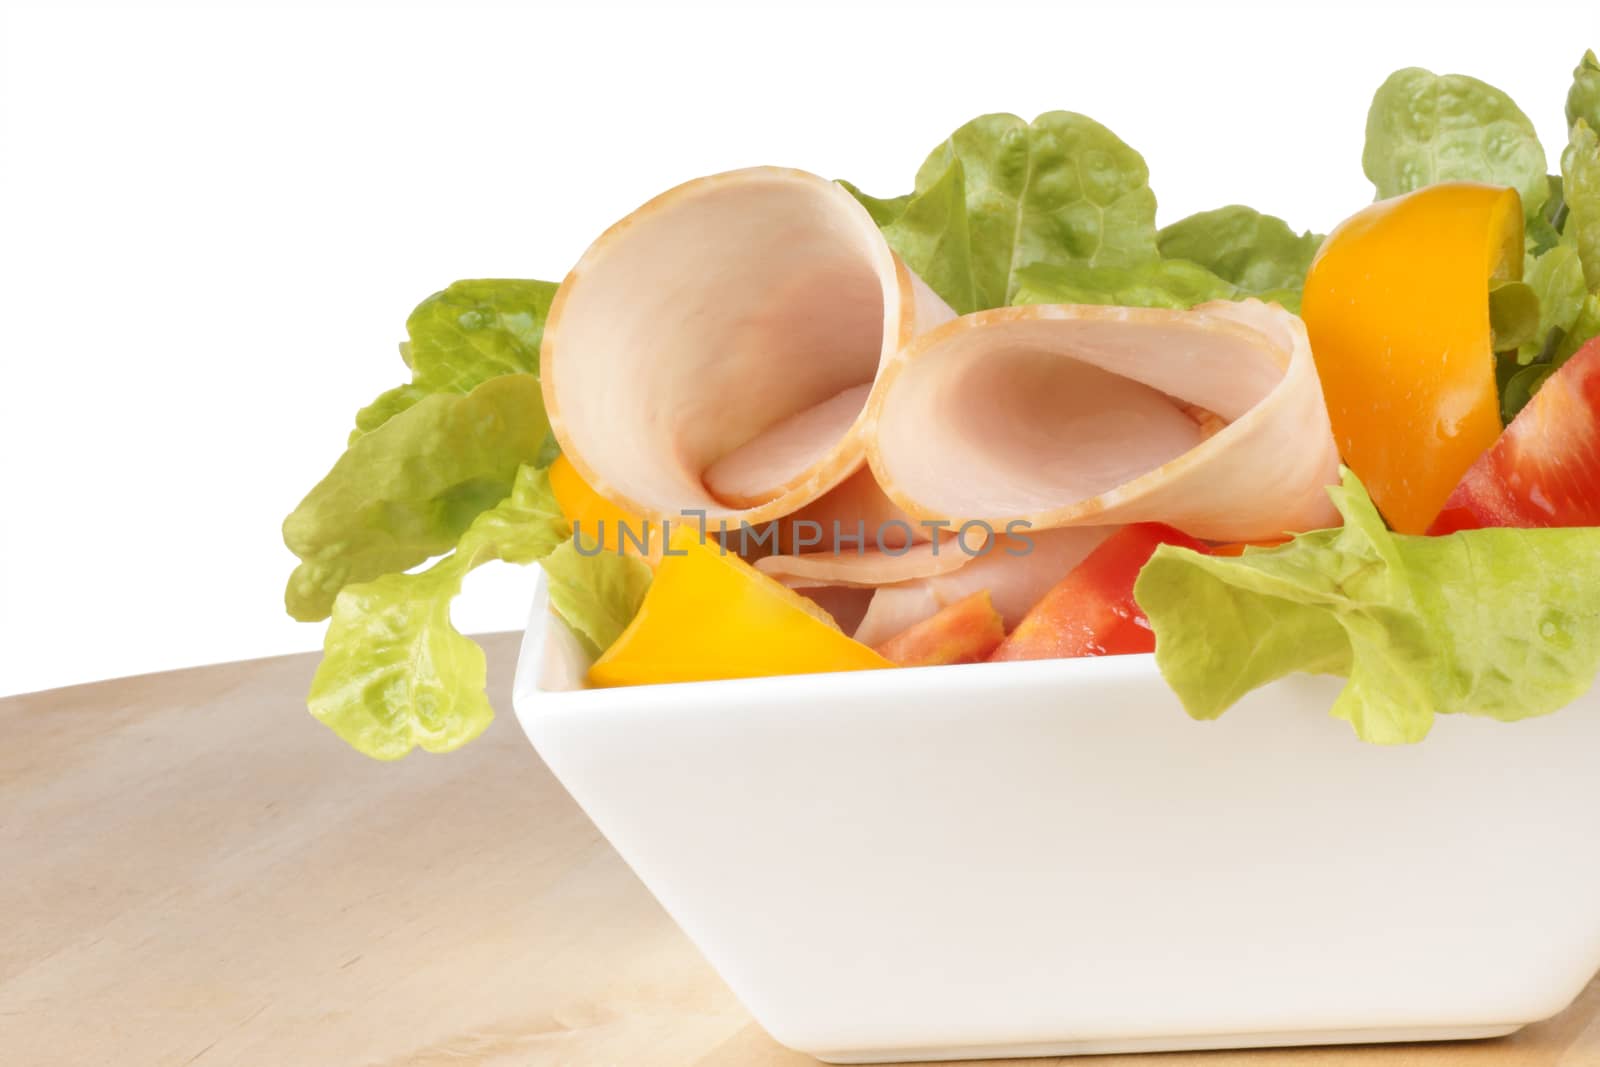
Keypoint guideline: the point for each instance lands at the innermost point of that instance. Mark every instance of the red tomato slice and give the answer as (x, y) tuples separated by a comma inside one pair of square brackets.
[(1091, 612), (1544, 470), (964, 632)]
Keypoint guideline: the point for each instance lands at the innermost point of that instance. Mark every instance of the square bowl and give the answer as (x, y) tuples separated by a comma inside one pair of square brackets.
[(1051, 858)]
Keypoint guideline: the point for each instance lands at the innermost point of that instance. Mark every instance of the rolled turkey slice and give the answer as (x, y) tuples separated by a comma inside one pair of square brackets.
[(713, 351), (1210, 419), (1017, 573), (864, 541), (872, 567), (854, 506)]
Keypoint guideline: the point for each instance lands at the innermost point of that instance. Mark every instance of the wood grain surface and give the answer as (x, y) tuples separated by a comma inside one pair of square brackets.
[(193, 872)]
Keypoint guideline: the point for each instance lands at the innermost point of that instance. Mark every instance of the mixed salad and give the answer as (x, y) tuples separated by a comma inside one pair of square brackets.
[(771, 424)]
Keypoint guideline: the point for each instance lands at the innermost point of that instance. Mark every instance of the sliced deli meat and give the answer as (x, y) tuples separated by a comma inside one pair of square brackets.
[(855, 511), (714, 350), (844, 566), (1211, 420), (1015, 572)]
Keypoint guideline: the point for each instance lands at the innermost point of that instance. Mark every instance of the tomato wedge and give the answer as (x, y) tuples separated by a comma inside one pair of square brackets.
[(964, 632), (1091, 612), (1545, 469)]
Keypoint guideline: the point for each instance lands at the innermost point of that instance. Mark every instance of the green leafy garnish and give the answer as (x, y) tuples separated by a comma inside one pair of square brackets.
[(930, 231), (462, 337), (1583, 99), (1584, 327), (1513, 315), (1580, 183), (1501, 623), (1542, 231), (395, 672), (1563, 262), (1255, 252), (596, 592), (1425, 128), (1556, 279), (407, 492), (1061, 211), (1568, 316), (1001, 194), (1164, 283)]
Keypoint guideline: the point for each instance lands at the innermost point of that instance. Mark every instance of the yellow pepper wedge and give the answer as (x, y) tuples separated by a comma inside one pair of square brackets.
[(710, 616), (590, 513), (1397, 308)]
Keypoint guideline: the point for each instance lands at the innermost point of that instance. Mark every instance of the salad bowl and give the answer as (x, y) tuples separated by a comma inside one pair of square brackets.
[(1051, 858)]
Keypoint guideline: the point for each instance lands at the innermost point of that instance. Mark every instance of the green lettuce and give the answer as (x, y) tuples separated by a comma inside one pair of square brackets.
[(408, 491), (1584, 328), (1579, 218), (1255, 252), (1513, 315), (462, 337), (1583, 99), (1501, 623), (930, 231), (1556, 279), (1563, 265), (1424, 128), (1542, 229), (1163, 283), (1580, 183), (597, 593), (395, 672), (1001, 194), (452, 462)]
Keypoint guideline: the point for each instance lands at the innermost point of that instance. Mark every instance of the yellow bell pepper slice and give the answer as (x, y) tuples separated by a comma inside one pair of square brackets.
[(592, 514), (1397, 308), (709, 616)]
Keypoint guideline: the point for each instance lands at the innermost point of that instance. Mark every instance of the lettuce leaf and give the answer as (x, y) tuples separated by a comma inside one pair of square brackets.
[(1061, 211), (1580, 184), (596, 593), (1542, 232), (395, 672), (930, 231), (1585, 327), (1163, 283), (1583, 99), (1565, 272), (462, 337), (883, 211), (1502, 623), (408, 491), (1424, 128), (1001, 194), (1257, 253), (1513, 315), (1556, 279)]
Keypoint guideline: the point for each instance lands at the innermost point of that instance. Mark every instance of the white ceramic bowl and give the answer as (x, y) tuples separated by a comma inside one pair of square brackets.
[(1050, 858)]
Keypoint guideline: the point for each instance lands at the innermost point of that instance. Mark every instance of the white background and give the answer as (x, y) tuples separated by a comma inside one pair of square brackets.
[(216, 218)]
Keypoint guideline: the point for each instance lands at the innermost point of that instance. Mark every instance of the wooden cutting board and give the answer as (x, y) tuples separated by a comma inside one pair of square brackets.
[(193, 872)]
